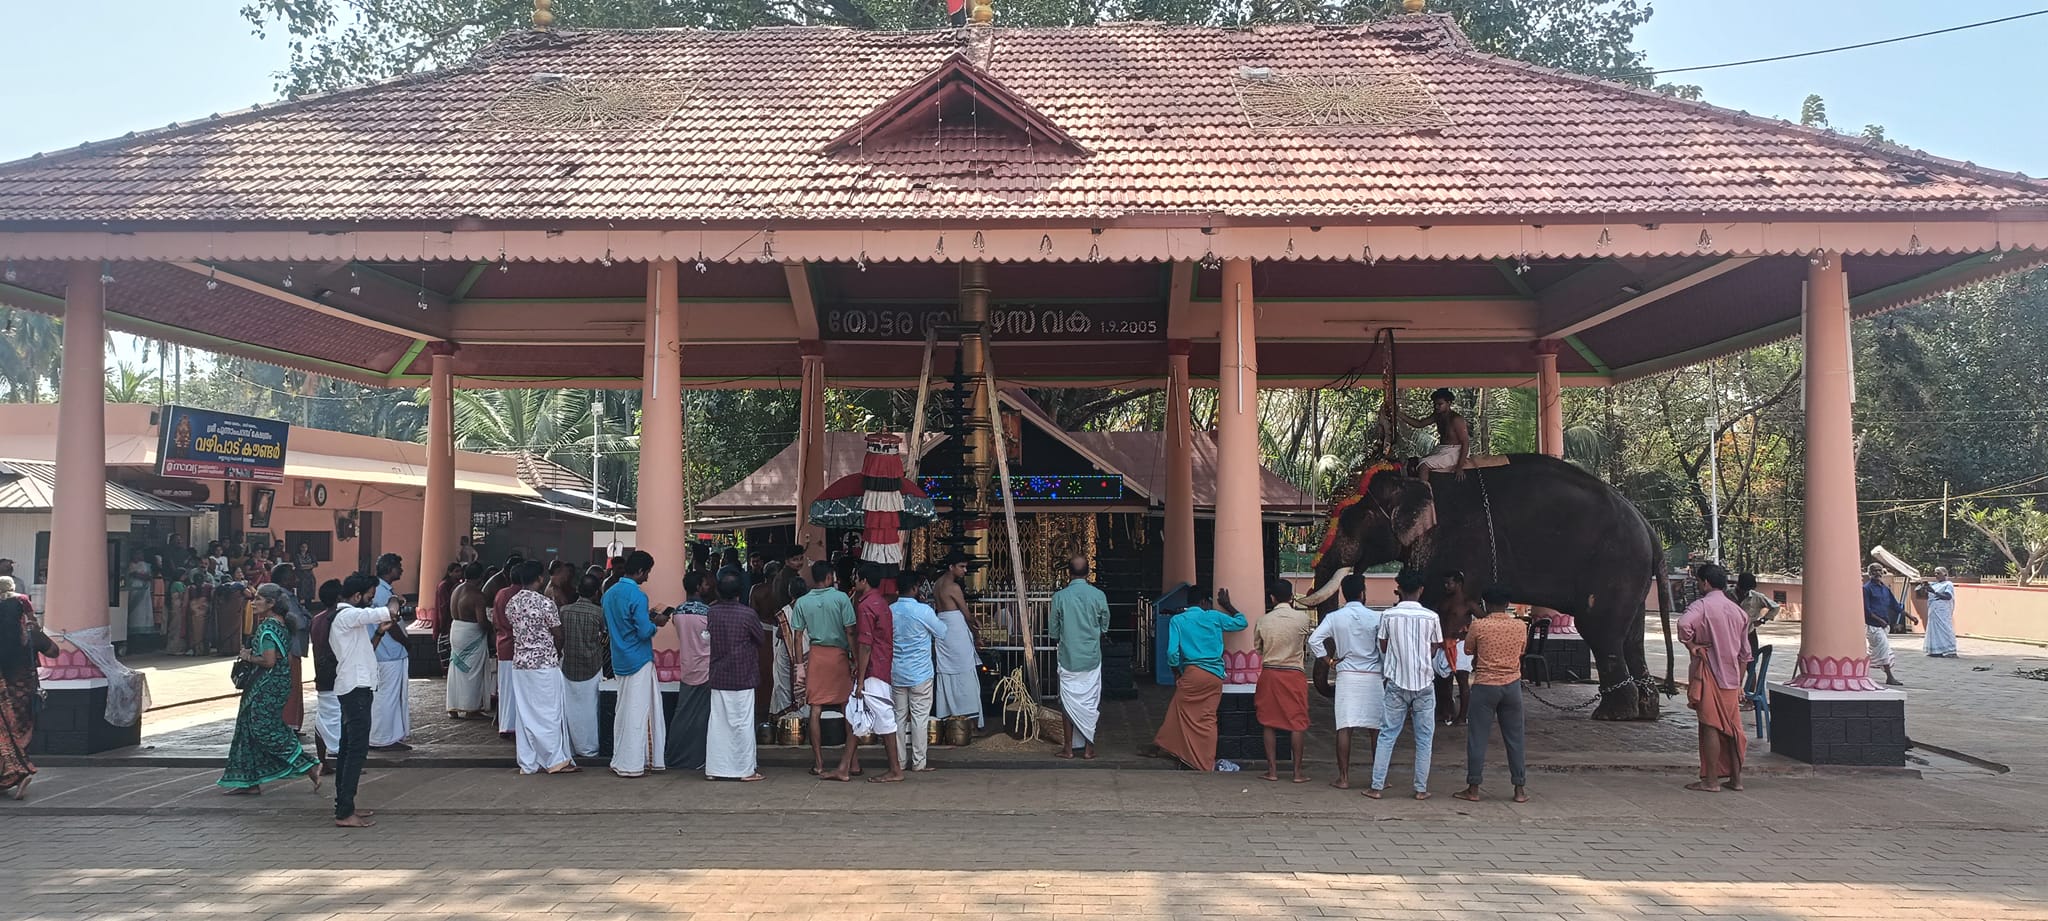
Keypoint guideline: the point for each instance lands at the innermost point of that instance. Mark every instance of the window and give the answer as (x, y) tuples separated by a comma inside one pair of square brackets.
[(1778, 596), (321, 543)]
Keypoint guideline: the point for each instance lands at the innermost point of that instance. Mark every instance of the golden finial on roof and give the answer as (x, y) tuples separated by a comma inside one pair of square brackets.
[(1414, 6), (542, 17), (983, 13)]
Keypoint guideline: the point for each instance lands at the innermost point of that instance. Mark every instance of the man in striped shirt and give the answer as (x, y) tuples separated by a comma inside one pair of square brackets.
[(1409, 635)]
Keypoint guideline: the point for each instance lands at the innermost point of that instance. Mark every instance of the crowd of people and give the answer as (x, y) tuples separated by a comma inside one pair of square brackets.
[(529, 643), (203, 602), (886, 649), (1385, 667)]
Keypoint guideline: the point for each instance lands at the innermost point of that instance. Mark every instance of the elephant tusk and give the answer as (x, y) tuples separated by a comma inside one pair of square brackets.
[(1329, 588)]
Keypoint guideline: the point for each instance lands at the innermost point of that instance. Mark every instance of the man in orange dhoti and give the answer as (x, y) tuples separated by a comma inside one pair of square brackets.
[(1195, 651), (1716, 635)]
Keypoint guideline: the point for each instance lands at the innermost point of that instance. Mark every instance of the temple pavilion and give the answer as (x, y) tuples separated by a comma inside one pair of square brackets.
[(1117, 205)]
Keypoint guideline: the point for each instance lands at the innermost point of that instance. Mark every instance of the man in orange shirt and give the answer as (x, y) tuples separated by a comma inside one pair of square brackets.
[(1496, 642)]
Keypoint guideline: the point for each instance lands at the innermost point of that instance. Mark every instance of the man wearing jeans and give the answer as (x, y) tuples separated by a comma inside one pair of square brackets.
[(1496, 641), (1409, 636), (355, 683)]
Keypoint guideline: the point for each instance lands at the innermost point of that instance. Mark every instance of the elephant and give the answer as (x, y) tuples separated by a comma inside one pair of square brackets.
[(1555, 535)]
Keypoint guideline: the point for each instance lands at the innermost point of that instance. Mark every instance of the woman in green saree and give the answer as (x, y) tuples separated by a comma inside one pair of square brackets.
[(264, 749)]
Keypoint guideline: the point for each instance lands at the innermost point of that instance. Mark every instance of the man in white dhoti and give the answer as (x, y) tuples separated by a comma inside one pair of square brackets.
[(469, 647), (1881, 611), (391, 715), (1079, 616), (327, 709), (737, 636), (498, 591), (1453, 435), (1355, 629), (583, 658), (911, 676), (543, 739), (956, 685), (639, 734)]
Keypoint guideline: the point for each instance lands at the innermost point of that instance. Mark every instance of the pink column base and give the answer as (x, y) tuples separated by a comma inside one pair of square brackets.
[(1561, 624), (70, 665), (1826, 673), (1241, 667), (668, 665)]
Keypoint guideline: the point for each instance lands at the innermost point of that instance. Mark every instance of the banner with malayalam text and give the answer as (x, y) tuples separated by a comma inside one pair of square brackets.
[(201, 444)]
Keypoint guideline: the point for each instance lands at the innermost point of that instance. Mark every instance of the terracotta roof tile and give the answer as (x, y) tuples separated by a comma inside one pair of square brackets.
[(1156, 108)]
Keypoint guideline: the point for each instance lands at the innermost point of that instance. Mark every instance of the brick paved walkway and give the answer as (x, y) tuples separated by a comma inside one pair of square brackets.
[(1956, 841), (1420, 861)]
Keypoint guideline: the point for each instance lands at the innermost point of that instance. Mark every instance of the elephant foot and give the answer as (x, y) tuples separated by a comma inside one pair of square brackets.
[(1648, 707), (1618, 707)]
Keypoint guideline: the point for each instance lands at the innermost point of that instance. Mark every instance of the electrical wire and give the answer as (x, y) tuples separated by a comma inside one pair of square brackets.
[(1859, 45)]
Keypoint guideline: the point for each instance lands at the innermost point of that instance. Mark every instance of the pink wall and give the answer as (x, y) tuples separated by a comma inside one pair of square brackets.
[(2002, 612)]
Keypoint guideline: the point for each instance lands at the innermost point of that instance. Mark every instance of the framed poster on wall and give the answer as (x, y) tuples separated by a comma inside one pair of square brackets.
[(261, 500)]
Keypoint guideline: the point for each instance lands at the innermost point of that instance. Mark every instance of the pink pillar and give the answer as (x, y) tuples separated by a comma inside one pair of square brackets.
[(439, 527), (1833, 654), (1549, 400), (75, 597), (662, 530), (1180, 471), (1240, 553), (810, 450), (1550, 440)]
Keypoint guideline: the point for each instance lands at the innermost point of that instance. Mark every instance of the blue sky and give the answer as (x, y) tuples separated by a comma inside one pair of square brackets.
[(79, 70)]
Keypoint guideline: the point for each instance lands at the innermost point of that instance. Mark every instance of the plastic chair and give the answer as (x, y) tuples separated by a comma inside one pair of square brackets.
[(1534, 666), (1759, 697)]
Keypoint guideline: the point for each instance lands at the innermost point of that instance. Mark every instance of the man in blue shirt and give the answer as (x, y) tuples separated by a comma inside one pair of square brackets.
[(1194, 649), (1881, 609), (638, 733), (391, 718), (918, 627)]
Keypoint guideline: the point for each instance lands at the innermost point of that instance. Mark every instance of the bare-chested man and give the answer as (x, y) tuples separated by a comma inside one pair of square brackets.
[(469, 647), (956, 689), (1453, 435)]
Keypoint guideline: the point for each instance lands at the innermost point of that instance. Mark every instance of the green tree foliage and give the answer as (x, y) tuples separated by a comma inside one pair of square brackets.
[(1813, 113), (2019, 532), (29, 345), (338, 43)]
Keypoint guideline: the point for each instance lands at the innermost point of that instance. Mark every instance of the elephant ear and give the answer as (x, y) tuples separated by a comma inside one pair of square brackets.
[(1411, 505)]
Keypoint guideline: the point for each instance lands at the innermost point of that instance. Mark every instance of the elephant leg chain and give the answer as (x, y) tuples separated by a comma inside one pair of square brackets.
[(1492, 543), (1596, 698)]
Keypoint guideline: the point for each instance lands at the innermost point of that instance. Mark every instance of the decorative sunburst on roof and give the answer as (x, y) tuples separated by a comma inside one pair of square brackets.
[(555, 102), (1400, 101)]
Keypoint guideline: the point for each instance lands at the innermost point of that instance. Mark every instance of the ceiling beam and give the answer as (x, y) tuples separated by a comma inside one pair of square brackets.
[(1480, 319), (803, 301), (1180, 294), (1637, 294), (410, 331), (607, 322)]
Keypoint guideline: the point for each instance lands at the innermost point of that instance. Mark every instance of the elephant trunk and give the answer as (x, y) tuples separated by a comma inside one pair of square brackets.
[(1328, 589)]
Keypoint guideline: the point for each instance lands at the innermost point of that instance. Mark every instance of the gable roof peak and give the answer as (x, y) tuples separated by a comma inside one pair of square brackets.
[(957, 78)]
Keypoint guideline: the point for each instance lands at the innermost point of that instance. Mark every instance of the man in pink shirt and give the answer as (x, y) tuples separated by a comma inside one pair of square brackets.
[(689, 729), (1715, 631)]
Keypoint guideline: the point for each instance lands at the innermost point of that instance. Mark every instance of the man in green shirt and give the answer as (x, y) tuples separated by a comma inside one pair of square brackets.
[(822, 616), (1079, 616)]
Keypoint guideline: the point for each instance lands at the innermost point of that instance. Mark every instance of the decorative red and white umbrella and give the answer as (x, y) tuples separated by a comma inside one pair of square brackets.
[(879, 500)]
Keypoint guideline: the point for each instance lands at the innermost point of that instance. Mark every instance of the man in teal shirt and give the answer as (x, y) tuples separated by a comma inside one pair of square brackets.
[(1195, 649), (822, 616), (1079, 616)]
